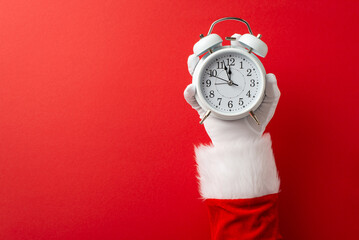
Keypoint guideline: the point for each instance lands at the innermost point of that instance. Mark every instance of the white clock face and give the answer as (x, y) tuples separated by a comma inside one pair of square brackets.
[(231, 83)]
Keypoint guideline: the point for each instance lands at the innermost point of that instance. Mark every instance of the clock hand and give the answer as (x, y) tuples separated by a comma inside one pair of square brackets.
[(230, 83), (230, 72), (226, 83), (218, 77), (225, 69)]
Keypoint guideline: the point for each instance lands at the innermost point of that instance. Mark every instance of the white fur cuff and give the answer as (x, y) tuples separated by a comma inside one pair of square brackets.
[(244, 169)]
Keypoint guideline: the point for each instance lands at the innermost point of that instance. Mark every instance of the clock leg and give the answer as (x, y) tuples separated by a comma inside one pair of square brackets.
[(251, 113), (205, 116)]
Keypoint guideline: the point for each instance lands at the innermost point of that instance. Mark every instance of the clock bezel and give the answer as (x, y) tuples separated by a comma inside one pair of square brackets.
[(199, 71)]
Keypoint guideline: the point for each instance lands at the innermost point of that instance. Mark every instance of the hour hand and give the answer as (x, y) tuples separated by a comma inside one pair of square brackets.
[(225, 69), (229, 72)]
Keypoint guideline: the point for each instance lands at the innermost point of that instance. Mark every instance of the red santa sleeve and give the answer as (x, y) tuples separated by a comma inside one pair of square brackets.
[(239, 183)]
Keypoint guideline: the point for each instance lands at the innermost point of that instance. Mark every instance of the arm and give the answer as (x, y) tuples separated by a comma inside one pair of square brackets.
[(237, 173), (240, 186)]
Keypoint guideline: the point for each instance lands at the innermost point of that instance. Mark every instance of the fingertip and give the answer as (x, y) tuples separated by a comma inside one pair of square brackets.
[(192, 58), (271, 77), (272, 89), (192, 63)]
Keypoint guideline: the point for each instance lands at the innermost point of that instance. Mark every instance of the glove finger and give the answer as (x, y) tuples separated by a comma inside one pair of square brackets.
[(189, 96), (267, 109), (272, 90), (192, 63), (235, 43)]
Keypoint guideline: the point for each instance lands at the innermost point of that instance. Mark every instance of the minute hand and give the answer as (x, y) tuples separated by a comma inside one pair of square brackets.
[(229, 82)]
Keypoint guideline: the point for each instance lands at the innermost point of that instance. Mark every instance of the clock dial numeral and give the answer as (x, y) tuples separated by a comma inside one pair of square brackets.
[(208, 83), (249, 72), (211, 94), (240, 102), (230, 104), (219, 101), (241, 65), (248, 94), (220, 65), (230, 61), (253, 83), (213, 73)]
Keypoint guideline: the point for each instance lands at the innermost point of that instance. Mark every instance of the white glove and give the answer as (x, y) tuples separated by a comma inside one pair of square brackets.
[(222, 131)]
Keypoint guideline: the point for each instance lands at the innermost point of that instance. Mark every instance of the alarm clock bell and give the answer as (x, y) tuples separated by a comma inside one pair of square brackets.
[(207, 43), (249, 41)]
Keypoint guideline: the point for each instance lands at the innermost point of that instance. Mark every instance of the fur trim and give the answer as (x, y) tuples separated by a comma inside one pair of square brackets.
[(245, 169)]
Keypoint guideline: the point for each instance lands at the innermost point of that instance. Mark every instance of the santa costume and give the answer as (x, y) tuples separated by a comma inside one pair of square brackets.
[(239, 184)]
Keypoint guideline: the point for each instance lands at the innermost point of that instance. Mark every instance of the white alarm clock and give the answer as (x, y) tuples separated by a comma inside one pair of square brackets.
[(230, 80)]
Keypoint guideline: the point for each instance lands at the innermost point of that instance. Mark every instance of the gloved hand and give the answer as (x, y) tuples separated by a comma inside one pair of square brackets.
[(224, 132)]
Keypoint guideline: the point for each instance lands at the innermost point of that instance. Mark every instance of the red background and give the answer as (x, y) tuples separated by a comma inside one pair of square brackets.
[(96, 141)]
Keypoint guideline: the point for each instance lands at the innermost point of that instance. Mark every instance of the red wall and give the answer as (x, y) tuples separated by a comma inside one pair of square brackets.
[(96, 141)]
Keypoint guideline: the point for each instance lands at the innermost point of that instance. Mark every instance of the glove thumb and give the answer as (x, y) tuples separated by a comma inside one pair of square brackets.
[(192, 63), (189, 96)]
